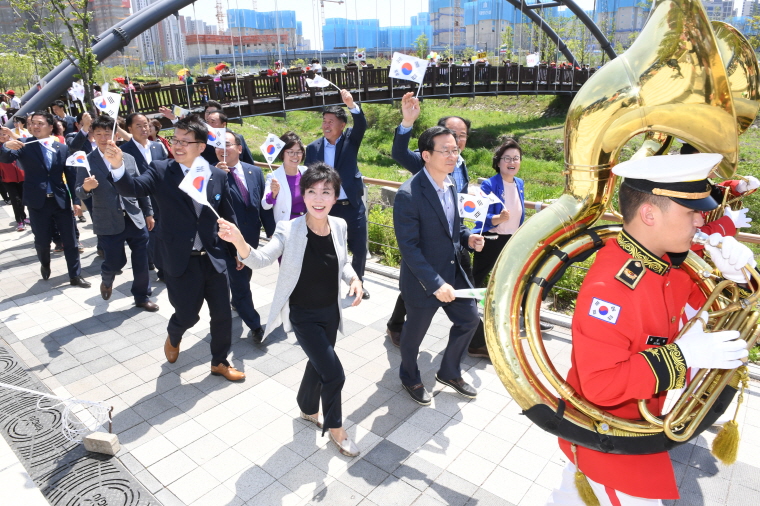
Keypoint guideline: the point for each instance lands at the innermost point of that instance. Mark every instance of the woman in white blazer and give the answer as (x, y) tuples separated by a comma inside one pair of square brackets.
[(281, 189), (307, 296)]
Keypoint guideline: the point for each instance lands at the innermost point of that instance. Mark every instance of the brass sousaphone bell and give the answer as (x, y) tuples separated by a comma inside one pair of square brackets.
[(671, 82)]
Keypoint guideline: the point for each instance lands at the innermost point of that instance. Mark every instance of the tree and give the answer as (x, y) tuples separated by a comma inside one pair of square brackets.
[(18, 71), (507, 42), (55, 31), (754, 38), (420, 45), (468, 53)]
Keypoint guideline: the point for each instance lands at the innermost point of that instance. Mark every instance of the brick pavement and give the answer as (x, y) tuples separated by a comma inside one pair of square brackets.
[(191, 438)]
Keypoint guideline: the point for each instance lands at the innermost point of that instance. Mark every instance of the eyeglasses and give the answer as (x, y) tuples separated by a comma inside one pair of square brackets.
[(229, 145), (183, 144), (294, 153), (40, 123), (448, 153), (510, 160)]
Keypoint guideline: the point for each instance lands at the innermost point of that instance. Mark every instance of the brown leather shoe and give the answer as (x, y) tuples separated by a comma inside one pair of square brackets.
[(481, 352), (170, 351), (395, 337), (148, 306), (105, 291), (228, 372)]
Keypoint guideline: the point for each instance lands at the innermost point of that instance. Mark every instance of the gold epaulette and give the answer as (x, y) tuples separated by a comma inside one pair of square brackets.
[(631, 273)]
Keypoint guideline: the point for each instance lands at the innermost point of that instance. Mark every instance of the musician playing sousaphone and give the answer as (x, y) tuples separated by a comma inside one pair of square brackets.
[(630, 308)]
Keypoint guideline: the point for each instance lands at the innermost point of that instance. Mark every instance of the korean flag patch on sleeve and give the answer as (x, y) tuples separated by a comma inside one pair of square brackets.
[(604, 310)]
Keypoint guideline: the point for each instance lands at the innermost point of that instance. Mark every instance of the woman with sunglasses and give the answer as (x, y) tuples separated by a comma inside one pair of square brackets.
[(504, 217), (281, 189)]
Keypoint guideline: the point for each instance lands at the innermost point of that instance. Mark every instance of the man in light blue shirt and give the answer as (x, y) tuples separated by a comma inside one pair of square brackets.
[(339, 148)]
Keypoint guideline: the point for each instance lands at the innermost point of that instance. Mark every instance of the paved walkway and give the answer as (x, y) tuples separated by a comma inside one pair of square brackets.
[(191, 438)]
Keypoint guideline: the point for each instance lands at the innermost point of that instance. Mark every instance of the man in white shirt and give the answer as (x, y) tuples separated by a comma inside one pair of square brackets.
[(246, 184)]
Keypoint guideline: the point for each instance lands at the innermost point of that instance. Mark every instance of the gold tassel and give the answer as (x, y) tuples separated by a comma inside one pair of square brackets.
[(581, 483), (725, 447)]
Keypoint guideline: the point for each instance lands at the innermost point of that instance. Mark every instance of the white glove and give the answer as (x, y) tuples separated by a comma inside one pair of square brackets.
[(729, 256), (751, 183), (716, 350), (740, 218)]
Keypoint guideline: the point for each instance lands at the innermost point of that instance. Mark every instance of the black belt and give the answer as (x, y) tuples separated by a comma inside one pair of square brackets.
[(196, 253), (344, 202)]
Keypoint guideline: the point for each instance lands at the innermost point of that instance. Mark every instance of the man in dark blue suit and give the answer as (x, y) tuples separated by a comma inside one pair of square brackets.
[(246, 189), (339, 148), (217, 119), (145, 151), (59, 110), (43, 160), (195, 266), (120, 219), (431, 237)]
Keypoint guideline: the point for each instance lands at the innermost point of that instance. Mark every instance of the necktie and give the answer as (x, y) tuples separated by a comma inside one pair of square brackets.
[(197, 243), (241, 187)]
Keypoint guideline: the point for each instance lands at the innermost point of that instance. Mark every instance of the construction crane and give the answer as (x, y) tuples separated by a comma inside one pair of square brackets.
[(219, 15), (322, 5)]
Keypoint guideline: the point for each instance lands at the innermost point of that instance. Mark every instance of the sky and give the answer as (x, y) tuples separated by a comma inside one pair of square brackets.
[(389, 12)]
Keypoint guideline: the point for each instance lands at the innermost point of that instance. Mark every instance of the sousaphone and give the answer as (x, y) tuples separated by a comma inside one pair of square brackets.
[(671, 82)]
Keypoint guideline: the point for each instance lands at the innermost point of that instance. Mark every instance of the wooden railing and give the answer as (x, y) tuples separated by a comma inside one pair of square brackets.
[(259, 95)]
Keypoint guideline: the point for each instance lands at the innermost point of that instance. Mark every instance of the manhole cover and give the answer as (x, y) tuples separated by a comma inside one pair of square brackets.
[(65, 472)]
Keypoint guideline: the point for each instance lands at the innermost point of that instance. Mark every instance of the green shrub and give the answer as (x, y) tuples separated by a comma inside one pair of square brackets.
[(382, 236)]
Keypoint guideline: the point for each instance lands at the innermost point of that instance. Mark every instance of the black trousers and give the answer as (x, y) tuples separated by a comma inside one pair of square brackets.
[(356, 232), (116, 258), (16, 194), (396, 322), (484, 260), (242, 298), (200, 282), (42, 221), (463, 314), (323, 379)]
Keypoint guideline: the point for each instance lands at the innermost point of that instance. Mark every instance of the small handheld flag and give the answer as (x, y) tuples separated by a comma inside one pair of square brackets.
[(271, 148), (216, 137), (108, 103), (320, 82), (479, 294), (195, 182), (408, 68), (77, 91), (79, 159), (179, 111), (472, 207)]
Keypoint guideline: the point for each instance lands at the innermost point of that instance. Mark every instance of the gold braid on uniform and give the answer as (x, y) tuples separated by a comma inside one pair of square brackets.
[(639, 252), (668, 366)]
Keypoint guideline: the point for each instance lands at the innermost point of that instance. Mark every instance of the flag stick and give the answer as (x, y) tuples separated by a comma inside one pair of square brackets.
[(418, 91), (113, 132), (217, 214)]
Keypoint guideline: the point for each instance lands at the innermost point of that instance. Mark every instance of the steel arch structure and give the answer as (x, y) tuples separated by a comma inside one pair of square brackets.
[(114, 39), (121, 34)]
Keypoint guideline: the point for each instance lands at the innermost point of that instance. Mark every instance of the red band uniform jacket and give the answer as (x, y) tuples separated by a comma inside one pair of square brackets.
[(629, 310)]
